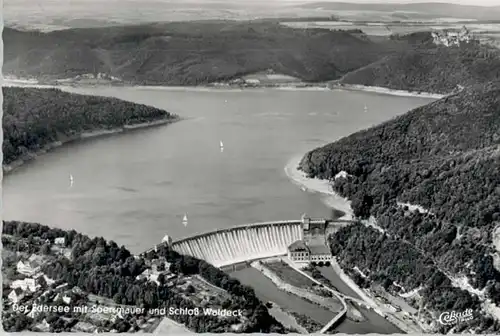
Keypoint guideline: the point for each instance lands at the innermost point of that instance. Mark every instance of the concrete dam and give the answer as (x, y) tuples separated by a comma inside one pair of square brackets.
[(242, 243)]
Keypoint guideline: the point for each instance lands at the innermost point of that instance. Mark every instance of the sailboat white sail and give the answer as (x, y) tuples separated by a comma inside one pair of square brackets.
[(185, 220), (366, 109), (70, 180), (221, 146)]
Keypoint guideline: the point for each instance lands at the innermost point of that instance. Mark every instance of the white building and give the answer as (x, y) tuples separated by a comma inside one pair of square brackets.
[(61, 241), (26, 284), (27, 267), (252, 81), (16, 295), (66, 299), (320, 253), (299, 251), (144, 275)]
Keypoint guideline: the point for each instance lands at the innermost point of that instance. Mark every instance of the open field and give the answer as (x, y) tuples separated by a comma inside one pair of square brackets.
[(58, 14)]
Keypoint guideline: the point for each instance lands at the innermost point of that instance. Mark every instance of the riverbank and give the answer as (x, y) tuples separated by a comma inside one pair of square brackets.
[(30, 156), (334, 307)]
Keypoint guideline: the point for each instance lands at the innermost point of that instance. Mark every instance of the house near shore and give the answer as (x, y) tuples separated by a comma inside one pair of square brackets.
[(61, 241), (252, 81)]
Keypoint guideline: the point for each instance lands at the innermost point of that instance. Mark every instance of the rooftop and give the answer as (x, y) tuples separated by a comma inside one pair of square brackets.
[(319, 249), (299, 245)]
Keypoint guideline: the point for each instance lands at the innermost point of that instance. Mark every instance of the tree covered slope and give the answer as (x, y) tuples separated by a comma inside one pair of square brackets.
[(188, 53), (435, 69), (445, 157), (34, 118)]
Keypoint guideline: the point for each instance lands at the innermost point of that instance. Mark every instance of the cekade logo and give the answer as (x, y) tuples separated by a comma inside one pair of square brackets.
[(448, 318)]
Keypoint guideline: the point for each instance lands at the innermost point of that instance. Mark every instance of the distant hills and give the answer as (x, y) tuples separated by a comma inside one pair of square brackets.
[(189, 53)]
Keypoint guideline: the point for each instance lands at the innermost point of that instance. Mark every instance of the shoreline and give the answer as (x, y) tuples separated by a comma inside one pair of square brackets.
[(301, 86), (315, 185), (387, 91), (31, 156)]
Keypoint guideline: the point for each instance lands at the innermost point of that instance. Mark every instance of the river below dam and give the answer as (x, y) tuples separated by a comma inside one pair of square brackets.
[(266, 290), (135, 188)]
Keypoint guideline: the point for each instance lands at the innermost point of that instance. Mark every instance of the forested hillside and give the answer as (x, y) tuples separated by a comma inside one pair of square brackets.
[(399, 268), (445, 157), (33, 118), (438, 69), (189, 53)]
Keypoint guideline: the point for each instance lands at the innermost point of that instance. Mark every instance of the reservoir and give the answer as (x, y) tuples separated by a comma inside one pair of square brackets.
[(134, 188)]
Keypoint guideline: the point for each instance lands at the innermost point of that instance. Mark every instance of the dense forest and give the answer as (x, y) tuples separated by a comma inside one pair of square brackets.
[(391, 261), (103, 268), (190, 53), (34, 118), (438, 69), (444, 157)]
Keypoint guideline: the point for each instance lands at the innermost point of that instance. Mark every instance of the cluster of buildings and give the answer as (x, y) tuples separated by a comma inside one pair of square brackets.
[(313, 248), (452, 37), (33, 279), (157, 267)]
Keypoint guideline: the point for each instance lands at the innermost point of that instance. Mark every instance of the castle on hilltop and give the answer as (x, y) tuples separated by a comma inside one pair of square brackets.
[(452, 37)]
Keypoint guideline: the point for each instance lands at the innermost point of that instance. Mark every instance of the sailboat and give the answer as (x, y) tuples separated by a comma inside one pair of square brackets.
[(70, 180), (221, 146), (366, 109), (185, 220), (303, 188)]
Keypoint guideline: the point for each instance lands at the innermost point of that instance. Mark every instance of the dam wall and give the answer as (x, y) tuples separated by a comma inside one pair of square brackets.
[(242, 243)]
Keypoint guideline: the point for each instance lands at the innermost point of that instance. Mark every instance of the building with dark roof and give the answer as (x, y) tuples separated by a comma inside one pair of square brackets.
[(300, 251), (313, 247)]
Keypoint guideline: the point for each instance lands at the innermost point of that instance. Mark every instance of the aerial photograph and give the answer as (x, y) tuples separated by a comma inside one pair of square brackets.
[(251, 166)]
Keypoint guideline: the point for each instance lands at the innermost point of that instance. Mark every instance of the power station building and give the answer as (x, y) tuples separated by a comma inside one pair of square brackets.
[(313, 247)]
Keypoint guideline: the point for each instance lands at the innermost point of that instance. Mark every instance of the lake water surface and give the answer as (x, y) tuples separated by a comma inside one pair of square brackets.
[(134, 188)]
